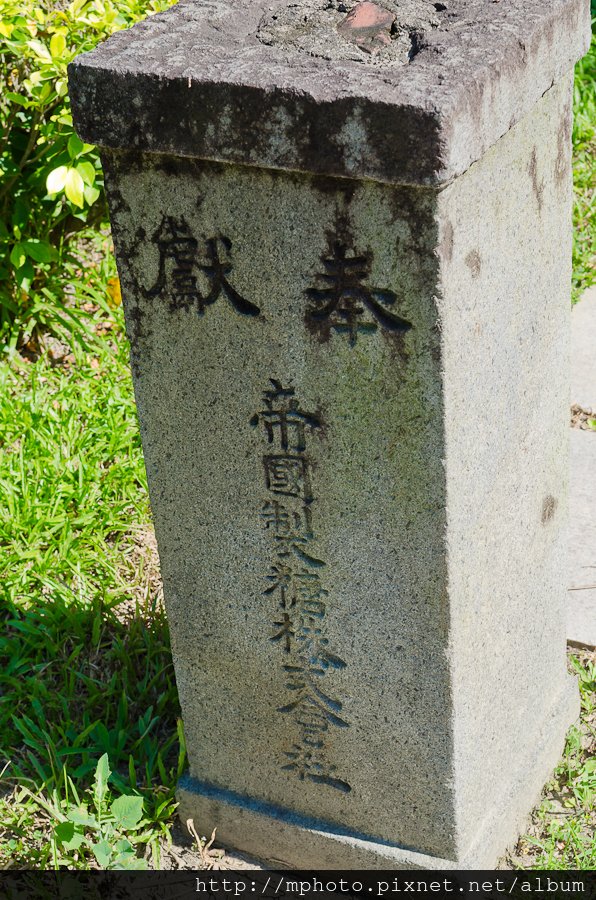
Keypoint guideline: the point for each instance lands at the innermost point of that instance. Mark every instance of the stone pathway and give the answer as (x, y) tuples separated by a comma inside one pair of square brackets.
[(581, 607)]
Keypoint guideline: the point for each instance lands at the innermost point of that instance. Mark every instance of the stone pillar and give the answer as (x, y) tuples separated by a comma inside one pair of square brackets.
[(343, 233)]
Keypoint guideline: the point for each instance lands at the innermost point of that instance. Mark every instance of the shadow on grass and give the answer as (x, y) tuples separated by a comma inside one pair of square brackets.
[(78, 681)]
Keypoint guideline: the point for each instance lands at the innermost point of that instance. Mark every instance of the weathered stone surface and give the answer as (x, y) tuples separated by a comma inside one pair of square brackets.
[(430, 522), (195, 80), (583, 369), (358, 479), (581, 604)]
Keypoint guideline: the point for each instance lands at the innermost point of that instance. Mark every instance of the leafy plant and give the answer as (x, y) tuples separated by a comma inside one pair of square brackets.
[(109, 830), (51, 184), (102, 829)]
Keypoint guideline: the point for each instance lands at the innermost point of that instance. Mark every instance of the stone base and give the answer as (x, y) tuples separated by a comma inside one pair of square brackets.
[(283, 839)]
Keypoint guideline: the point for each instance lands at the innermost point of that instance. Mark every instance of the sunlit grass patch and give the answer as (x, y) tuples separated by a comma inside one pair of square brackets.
[(85, 661), (584, 173)]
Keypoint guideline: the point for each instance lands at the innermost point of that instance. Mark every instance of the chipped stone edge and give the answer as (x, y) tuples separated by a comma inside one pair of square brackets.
[(346, 136)]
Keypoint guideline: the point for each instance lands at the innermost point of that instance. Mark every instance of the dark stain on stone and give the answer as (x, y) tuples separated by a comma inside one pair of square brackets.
[(537, 186), (411, 141), (169, 165), (320, 328), (342, 188), (549, 506), (524, 52), (563, 150), (446, 247), (474, 263), (398, 348), (412, 206)]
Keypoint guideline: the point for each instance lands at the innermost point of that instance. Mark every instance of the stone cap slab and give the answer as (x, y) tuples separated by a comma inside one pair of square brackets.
[(299, 85)]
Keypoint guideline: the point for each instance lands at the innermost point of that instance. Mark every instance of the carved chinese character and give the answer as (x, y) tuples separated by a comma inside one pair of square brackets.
[(283, 521), (281, 580), (341, 300), (179, 265), (288, 475), (286, 632), (309, 593), (313, 727), (314, 649), (175, 242), (292, 531), (309, 764), (301, 679), (216, 272), (284, 417)]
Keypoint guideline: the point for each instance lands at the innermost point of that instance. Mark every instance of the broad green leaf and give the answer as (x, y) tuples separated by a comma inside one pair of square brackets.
[(63, 118), (127, 811), (79, 815), (129, 861), (66, 833), (124, 846), (61, 87), (91, 194), (102, 773), (103, 854), (74, 187), (6, 29), (17, 98), (18, 256), (75, 842), (87, 171), (56, 180), (75, 146), (23, 277), (40, 50), (57, 45), (40, 251)]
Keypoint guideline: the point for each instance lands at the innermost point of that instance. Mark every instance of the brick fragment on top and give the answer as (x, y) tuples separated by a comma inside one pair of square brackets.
[(369, 26)]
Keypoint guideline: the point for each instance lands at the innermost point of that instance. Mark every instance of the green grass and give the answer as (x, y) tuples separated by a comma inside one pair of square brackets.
[(85, 662), (584, 173), (563, 832)]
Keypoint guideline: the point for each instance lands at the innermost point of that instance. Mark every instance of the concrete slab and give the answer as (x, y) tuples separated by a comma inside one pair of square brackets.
[(581, 610), (583, 372)]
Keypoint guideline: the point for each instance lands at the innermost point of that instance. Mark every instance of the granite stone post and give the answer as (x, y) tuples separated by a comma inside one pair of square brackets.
[(343, 233)]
